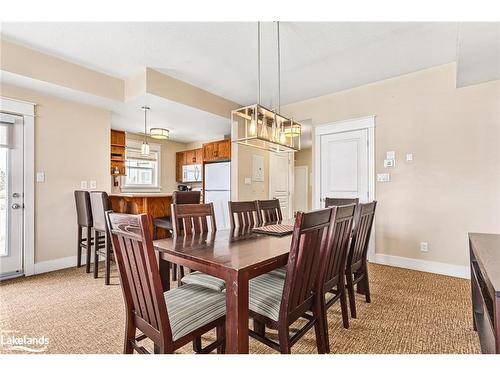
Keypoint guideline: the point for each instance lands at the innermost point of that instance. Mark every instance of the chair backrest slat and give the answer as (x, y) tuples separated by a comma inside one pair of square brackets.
[(193, 218), (138, 269), (83, 208), (269, 211), (309, 240), (361, 233), (243, 214), (336, 256), (329, 202), (186, 197), (100, 203)]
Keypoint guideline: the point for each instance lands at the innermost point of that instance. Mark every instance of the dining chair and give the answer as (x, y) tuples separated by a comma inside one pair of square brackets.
[(171, 319), (357, 265), (329, 202), (100, 203), (165, 222), (277, 303), (243, 214), (335, 261), (193, 219), (84, 223), (269, 211)]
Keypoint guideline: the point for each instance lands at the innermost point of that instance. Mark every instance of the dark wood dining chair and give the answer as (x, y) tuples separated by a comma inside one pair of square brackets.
[(357, 265), (165, 222), (277, 303), (243, 214), (171, 319), (335, 261), (193, 219), (100, 203), (329, 202), (269, 211), (84, 223)]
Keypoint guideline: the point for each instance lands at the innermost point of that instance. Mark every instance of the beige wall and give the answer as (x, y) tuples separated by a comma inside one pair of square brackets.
[(256, 190), (168, 150), (71, 144), (453, 185), (304, 158)]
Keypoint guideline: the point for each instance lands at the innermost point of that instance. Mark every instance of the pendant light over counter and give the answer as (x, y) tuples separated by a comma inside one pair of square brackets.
[(155, 133), (263, 128)]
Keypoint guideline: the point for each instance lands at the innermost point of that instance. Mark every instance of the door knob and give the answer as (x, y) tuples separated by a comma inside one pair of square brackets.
[(16, 206)]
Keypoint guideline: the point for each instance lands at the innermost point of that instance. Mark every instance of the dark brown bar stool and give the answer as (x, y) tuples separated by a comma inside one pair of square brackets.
[(85, 222), (100, 203)]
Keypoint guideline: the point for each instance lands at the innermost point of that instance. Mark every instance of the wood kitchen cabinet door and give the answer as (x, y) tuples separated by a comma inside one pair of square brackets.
[(179, 162), (217, 151), (198, 156), (208, 152), (189, 157)]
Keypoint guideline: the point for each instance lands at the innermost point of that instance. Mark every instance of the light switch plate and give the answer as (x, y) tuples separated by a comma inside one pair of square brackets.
[(40, 177), (409, 157), (248, 181), (389, 163), (383, 177), (93, 184), (83, 185), (390, 155)]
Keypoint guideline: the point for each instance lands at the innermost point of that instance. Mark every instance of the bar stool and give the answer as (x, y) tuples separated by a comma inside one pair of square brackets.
[(100, 203), (85, 222), (165, 222)]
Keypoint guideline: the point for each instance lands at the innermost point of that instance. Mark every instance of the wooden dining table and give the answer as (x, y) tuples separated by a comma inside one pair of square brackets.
[(236, 256)]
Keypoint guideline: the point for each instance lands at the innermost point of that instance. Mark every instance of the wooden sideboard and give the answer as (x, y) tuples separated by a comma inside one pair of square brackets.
[(153, 204), (485, 285)]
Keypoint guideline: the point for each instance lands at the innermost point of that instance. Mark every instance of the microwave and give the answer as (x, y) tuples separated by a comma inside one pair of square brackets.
[(192, 173)]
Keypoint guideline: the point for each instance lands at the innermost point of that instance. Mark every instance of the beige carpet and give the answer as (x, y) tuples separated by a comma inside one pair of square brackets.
[(411, 312)]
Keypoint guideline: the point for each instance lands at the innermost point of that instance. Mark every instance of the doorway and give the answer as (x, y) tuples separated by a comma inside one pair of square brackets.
[(11, 195)]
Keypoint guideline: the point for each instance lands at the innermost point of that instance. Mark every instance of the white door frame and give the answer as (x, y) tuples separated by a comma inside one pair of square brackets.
[(307, 185), (360, 123), (27, 111)]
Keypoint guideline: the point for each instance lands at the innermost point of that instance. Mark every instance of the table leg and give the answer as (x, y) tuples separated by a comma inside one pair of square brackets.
[(237, 313), (164, 267)]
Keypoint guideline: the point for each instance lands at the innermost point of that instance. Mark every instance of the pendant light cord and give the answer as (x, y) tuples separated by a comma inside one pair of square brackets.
[(258, 58), (279, 66)]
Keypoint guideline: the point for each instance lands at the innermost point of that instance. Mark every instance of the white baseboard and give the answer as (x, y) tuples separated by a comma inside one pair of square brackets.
[(423, 265), (60, 263)]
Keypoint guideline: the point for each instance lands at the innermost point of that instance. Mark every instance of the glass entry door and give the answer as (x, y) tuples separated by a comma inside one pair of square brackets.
[(11, 196)]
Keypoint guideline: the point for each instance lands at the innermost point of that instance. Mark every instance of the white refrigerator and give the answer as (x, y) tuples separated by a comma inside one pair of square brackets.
[(218, 191)]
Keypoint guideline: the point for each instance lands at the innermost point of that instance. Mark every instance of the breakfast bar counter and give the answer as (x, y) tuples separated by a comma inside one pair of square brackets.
[(153, 204)]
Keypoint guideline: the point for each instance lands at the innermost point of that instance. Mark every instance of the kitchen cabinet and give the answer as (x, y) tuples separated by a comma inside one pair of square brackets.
[(217, 151), (118, 143), (187, 157)]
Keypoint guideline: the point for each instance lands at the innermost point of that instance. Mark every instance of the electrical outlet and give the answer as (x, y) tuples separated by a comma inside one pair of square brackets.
[(93, 184), (40, 177), (424, 246), (383, 177), (389, 163), (409, 157), (83, 185)]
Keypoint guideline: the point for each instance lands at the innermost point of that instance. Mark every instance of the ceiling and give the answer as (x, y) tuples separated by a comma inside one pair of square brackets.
[(221, 57)]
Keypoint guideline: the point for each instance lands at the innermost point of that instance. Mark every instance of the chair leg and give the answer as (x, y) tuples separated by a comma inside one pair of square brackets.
[(220, 333), (108, 260), (129, 335), (88, 249), (155, 232), (197, 344), (79, 248), (322, 342), (343, 304), (367, 287), (96, 254), (259, 328), (180, 275), (284, 339), (350, 291)]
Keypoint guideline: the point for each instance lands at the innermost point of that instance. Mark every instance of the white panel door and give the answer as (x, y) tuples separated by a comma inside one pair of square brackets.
[(11, 196), (280, 181), (344, 165)]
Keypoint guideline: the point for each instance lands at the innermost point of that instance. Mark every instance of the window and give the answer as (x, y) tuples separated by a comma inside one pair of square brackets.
[(142, 172)]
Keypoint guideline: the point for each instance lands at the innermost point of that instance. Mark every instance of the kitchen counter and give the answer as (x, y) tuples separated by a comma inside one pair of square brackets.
[(153, 204)]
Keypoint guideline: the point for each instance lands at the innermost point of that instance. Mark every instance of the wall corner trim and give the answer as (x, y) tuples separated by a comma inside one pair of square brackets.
[(423, 265)]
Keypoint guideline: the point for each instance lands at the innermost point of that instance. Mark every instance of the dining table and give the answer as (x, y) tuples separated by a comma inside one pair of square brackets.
[(234, 255)]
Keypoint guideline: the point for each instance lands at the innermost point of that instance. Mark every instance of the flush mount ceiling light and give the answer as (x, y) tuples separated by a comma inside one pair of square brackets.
[(145, 144), (263, 128), (159, 133)]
